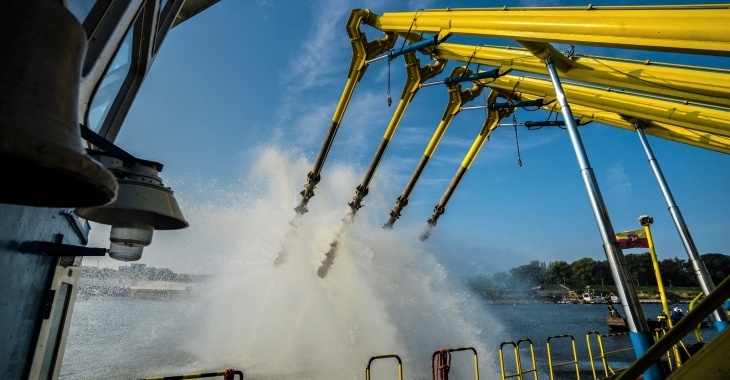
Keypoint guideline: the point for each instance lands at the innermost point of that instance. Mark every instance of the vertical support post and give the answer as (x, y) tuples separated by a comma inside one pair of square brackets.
[(646, 222), (657, 273), (703, 276), (640, 334)]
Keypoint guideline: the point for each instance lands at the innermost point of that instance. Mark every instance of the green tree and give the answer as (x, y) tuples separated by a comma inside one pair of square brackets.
[(585, 271), (604, 272), (641, 268), (718, 265), (560, 272), (677, 272), (534, 273)]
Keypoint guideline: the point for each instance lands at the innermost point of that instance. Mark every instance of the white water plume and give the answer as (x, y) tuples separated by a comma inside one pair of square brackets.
[(385, 293)]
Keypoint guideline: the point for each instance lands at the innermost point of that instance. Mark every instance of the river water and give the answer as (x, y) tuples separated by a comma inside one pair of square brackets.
[(387, 293), (123, 338)]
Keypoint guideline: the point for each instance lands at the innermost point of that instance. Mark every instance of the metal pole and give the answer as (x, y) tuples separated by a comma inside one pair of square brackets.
[(646, 221), (639, 329), (657, 273), (703, 276)]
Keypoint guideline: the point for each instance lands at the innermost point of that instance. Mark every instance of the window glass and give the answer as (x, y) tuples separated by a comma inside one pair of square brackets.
[(58, 318), (79, 8), (111, 84)]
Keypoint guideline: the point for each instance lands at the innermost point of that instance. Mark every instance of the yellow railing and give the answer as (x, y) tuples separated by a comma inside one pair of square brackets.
[(552, 365), (518, 362), (603, 354), (378, 357)]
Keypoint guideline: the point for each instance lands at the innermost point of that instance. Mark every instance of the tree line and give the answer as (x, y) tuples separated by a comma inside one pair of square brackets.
[(675, 272)]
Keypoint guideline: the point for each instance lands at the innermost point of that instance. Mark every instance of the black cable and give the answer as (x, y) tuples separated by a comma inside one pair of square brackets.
[(486, 106), (640, 79), (466, 69), (390, 100), (513, 90), (410, 28), (517, 140)]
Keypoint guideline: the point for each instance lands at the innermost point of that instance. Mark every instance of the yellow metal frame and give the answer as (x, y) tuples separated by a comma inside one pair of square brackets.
[(711, 361), (199, 375), (603, 354), (673, 355), (663, 296), (698, 332), (708, 364), (457, 97), (692, 84), (490, 124), (416, 76), (703, 127), (379, 357), (693, 29), (362, 50), (552, 365), (687, 104), (518, 360)]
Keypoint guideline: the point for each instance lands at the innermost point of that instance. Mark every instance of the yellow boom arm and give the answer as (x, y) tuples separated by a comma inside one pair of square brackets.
[(692, 29), (699, 126), (688, 83)]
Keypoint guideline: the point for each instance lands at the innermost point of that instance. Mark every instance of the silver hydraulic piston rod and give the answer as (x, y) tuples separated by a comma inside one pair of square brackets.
[(703, 276), (638, 327), (520, 103)]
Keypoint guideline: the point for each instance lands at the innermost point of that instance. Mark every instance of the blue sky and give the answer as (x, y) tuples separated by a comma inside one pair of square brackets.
[(246, 75)]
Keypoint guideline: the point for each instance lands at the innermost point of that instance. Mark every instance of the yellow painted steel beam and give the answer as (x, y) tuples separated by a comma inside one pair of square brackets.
[(416, 76), (362, 51), (663, 130), (686, 83), (711, 362), (457, 98), (704, 119), (490, 124), (691, 29)]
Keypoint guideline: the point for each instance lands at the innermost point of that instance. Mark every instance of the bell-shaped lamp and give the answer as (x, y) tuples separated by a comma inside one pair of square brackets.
[(143, 205)]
